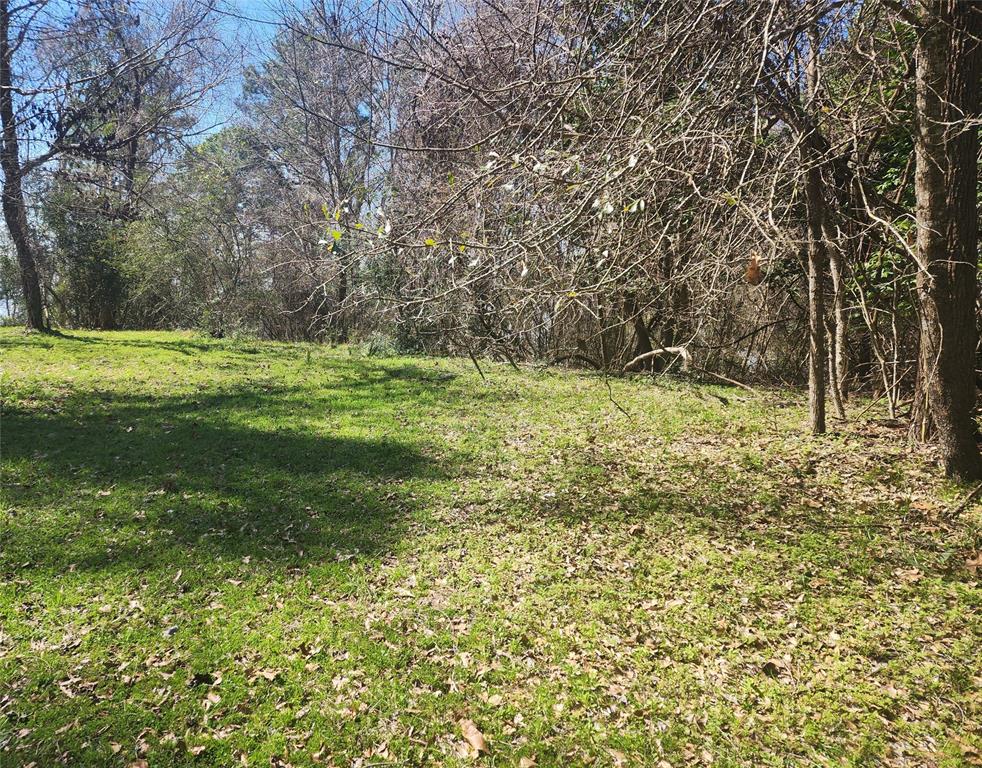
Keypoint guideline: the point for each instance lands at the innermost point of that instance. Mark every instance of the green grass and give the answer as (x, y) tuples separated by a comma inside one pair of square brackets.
[(240, 553)]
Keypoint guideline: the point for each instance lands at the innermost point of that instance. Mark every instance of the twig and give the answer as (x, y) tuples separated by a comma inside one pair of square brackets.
[(734, 382), (477, 365), (960, 507), (610, 396), (872, 403)]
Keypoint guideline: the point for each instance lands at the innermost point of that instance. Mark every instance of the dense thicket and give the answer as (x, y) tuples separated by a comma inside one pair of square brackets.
[(781, 191)]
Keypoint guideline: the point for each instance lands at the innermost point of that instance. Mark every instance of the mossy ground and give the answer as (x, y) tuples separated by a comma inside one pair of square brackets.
[(241, 553)]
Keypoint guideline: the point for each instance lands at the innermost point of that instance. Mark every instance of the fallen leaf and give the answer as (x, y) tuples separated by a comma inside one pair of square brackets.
[(211, 700), (473, 736), (908, 574)]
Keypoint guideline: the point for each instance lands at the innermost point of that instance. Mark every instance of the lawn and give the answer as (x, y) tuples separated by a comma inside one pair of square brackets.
[(221, 553)]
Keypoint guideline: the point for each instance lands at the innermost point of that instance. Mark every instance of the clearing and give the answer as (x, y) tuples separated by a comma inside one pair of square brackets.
[(244, 553)]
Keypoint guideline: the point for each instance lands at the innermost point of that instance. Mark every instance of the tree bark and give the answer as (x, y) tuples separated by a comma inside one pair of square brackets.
[(14, 206), (642, 339), (949, 68), (841, 315), (817, 267), (817, 254)]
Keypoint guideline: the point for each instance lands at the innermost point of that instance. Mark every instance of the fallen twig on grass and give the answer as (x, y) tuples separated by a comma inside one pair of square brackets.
[(963, 504), (478, 366), (728, 380)]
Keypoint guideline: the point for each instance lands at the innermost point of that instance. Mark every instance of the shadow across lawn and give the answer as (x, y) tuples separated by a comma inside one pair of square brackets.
[(65, 340), (153, 482)]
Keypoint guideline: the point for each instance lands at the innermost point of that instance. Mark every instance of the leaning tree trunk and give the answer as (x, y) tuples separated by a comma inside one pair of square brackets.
[(949, 67), (14, 207)]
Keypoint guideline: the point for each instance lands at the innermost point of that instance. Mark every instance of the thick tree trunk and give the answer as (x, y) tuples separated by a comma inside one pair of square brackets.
[(14, 207), (949, 68)]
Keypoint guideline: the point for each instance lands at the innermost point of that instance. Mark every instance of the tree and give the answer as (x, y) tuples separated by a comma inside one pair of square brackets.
[(72, 83), (14, 206), (813, 158), (949, 70), (314, 106)]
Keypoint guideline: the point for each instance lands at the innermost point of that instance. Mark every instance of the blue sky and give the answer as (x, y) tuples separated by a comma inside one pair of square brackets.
[(248, 26)]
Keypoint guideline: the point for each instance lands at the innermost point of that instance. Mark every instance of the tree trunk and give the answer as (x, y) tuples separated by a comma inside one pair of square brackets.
[(949, 67), (817, 255), (817, 265), (342, 322), (837, 334), (642, 339), (841, 315), (14, 207)]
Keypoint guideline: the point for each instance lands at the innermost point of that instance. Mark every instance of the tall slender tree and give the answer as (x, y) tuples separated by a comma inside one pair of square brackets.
[(14, 205)]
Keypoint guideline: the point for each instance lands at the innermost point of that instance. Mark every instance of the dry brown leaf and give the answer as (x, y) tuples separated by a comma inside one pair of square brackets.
[(910, 575), (210, 700), (473, 736), (527, 762)]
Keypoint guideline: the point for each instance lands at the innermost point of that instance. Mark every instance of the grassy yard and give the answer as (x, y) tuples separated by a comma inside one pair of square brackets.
[(239, 553)]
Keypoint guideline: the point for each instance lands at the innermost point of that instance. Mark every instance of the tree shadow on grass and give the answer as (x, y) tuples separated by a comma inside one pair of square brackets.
[(188, 346), (140, 482)]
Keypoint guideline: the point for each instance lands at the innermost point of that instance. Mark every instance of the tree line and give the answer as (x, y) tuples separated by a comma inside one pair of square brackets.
[(778, 191)]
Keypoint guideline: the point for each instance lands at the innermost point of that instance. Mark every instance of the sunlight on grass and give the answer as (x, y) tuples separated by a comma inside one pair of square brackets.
[(223, 553)]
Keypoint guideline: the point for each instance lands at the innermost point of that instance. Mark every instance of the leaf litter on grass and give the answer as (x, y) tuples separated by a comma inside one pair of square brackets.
[(698, 584)]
